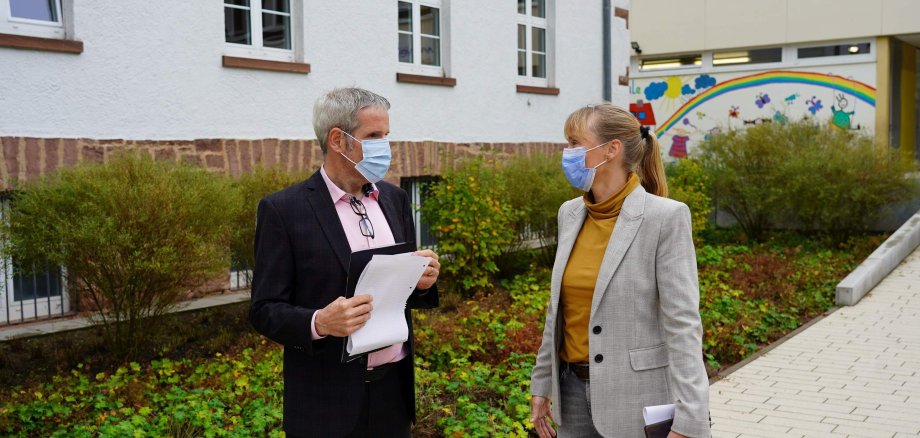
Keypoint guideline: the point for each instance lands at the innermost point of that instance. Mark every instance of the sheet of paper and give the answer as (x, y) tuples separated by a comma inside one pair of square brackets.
[(390, 279), (657, 414)]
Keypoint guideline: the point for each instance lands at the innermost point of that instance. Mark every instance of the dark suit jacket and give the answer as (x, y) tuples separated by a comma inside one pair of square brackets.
[(301, 266)]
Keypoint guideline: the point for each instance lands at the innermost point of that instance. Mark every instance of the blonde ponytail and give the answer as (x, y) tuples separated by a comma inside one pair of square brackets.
[(651, 169)]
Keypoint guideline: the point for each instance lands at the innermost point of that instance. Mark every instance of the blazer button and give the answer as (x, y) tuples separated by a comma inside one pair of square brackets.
[(599, 358), (597, 330)]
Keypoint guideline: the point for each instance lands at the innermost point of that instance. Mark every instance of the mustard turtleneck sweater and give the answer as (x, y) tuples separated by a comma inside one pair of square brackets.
[(581, 271)]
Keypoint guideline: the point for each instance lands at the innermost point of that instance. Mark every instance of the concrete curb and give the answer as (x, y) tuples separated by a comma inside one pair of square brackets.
[(42, 328), (880, 263)]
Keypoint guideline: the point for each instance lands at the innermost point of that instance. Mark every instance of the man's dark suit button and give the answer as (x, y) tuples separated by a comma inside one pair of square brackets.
[(597, 330), (599, 358)]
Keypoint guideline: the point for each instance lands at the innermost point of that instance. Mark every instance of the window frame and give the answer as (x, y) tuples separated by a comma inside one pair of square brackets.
[(681, 68), (240, 278), (723, 66), (790, 59), (792, 53), (529, 22), (257, 49), (33, 28), (414, 187), (14, 311), (416, 66)]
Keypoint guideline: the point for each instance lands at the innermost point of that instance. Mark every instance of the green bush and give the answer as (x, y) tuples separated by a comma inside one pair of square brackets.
[(743, 171), (134, 235), (839, 183), (816, 177), (688, 182), (471, 216), (537, 187), (251, 188)]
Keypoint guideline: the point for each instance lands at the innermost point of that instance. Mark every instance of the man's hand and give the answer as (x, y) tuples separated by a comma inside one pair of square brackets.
[(541, 417), (343, 316), (431, 272)]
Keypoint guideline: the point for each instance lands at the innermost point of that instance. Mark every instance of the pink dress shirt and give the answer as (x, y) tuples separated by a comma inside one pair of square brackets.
[(382, 236)]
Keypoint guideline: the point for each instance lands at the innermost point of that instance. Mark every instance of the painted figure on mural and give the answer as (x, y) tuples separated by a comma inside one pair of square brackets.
[(841, 117), (814, 105), (679, 143), (780, 118), (643, 112)]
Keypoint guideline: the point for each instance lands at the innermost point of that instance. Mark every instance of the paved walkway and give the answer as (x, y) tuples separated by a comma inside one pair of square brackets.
[(855, 373)]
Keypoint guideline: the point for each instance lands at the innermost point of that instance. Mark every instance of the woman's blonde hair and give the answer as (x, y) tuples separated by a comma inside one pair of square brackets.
[(608, 122)]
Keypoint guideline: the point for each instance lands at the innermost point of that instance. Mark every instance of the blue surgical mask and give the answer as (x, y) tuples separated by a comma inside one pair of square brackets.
[(573, 165), (376, 158)]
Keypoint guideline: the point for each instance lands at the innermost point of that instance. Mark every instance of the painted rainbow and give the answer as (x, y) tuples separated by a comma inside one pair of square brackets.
[(862, 91)]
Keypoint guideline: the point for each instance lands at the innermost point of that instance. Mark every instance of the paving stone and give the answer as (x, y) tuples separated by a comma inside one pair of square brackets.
[(855, 373)]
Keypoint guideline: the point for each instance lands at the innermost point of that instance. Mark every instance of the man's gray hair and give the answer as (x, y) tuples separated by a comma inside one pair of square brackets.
[(339, 109)]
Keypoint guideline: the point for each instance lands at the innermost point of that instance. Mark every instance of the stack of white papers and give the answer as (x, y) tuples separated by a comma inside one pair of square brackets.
[(390, 279), (657, 414)]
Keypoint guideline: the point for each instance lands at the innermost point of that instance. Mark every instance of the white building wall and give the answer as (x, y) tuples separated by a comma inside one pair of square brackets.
[(679, 26), (152, 70), (620, 53)]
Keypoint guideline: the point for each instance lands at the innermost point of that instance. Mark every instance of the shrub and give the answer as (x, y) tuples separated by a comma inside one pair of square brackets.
[(470, 215), (536, 188), (813, 176), (134, 235), (251, 188), (743, 170), (839, 183), (688, 182)]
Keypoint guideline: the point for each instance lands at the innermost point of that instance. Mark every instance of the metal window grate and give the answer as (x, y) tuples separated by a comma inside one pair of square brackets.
[(29, 295)]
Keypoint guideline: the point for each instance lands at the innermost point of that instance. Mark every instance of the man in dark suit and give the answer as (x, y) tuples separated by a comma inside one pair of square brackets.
[(304, 235)]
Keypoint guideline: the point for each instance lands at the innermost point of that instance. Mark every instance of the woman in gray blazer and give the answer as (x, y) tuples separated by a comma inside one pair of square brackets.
[(623, 326)]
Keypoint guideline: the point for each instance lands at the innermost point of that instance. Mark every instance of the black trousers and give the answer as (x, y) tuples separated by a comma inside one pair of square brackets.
[(383, 413)]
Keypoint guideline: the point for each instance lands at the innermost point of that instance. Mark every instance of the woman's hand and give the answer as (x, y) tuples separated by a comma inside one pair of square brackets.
[(673, 434), (542, 418)]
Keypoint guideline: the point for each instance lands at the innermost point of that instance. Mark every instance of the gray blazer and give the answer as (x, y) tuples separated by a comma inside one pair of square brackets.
[(645, 335)]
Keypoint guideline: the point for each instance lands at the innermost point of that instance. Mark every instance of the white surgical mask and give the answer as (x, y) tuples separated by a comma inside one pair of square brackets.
[(376, 155), (573, 166)]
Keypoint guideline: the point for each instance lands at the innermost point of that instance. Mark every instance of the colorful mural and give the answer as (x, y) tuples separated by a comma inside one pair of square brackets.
[(692, 107)]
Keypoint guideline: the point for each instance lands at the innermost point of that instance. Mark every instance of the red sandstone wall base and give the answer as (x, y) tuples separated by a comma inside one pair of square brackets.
[(27, 158)]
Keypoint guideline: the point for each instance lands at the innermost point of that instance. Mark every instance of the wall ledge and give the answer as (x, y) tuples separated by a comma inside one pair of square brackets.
[(36, 43)]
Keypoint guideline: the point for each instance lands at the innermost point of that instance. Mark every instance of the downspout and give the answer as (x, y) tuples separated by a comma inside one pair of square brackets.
[(608, 61)]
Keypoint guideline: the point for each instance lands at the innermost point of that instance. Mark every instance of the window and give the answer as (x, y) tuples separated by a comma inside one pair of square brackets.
[(418, 190), (29, 294), (38, 18), (421, 30), (240, 274), (259, 28), (681, 61), (834, 50), (533, 53), (753, 56)]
